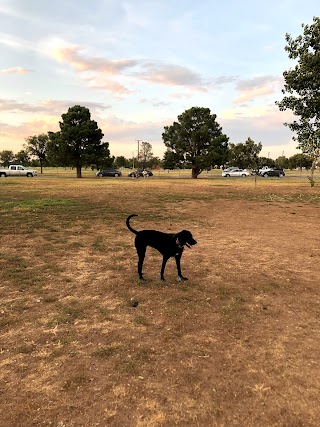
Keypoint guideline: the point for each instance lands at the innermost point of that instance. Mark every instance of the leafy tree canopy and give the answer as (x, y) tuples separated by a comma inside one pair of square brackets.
[(300, 161), (78, 143), (172, 160), (121, 162), (36, 145), (145, 153), (22, 158), (302, 89), (282, 162), (6, 158), (198, 138), (265, 161), (245, 155)]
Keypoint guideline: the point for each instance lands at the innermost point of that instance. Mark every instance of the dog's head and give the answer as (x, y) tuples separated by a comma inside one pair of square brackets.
[(184, 238)]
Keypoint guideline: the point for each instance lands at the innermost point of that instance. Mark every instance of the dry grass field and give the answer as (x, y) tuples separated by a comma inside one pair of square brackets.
[(236, 345)]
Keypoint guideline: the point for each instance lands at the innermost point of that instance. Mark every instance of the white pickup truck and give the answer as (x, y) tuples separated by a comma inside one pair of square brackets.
[(17, 170)]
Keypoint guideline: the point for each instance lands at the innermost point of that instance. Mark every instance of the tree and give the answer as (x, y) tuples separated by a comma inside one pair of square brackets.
[(145, 153), (300, 161), (36, 145), (198, 138), (153, 163), (172, 160), (302, 84), (22, 158), (265, 161), (121, 162), (282, 162), (245, 155), (78, 143), (6, 158)]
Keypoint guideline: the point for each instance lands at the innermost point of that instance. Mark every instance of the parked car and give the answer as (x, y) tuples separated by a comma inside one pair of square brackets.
[(273, 172), (235, 172), (139, 172), (230, 169), (109, 172)]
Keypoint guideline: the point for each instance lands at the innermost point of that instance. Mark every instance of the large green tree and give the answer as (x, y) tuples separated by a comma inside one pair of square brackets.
[(22, 158), (245, 155), (198, 138), (302, 90), (6, 158), (300, 161), (36, 145), (121, 162), (282, 162), (78, 143), (172, 160)]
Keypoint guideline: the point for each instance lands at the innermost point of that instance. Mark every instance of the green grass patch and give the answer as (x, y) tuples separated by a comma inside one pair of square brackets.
[(36, 203)]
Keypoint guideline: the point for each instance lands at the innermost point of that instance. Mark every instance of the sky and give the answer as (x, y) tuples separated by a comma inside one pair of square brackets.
[(138, 64)]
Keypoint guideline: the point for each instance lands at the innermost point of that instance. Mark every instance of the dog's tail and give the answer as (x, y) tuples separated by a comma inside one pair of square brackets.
[(128, 223)]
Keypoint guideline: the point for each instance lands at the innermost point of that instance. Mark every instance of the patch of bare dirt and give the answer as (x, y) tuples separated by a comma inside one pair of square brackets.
[(236, 345)]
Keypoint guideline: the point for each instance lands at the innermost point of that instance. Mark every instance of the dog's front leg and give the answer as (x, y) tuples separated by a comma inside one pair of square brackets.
[(164, 262), (178, 262)]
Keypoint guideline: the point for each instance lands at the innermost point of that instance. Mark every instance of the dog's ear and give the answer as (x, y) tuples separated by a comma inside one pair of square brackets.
[(184, 235)]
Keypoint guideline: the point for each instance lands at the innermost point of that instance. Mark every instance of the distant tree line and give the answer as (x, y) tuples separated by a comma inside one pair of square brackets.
[(194, 142), (238, 155)]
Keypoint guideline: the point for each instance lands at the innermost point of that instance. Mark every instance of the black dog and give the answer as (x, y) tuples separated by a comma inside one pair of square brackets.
[(168, 245)]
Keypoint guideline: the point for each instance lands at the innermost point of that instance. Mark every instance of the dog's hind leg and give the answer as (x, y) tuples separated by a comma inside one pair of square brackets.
[(141, 251)]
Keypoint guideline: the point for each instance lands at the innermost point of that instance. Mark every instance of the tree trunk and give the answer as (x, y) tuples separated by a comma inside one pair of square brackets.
[(195, 171), (79, 174), (313, 167)]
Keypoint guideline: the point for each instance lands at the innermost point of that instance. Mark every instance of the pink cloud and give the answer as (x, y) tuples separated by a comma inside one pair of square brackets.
[(15, 70), (99, 70), (257, 87), (80, 62)]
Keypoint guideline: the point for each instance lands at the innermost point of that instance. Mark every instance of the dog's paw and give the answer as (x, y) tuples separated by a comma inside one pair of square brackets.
[(181, 278)]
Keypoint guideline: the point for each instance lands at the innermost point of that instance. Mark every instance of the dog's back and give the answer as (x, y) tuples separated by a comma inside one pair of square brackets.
[(156, 239)]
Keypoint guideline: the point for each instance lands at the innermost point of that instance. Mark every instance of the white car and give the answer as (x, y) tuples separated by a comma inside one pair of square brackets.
[(235, 172)]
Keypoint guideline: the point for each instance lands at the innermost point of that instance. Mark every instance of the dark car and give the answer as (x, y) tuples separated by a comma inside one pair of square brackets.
[(139, 172), (273, 172), (108, 172)]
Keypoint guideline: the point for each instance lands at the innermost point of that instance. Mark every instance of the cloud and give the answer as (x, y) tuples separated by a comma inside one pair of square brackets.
[(172, 75), (155, 102), (98, 71), (256, 87), (48, 106), (82, 63), (263, 124), (100, 83), (15, 70), (13, 137)]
